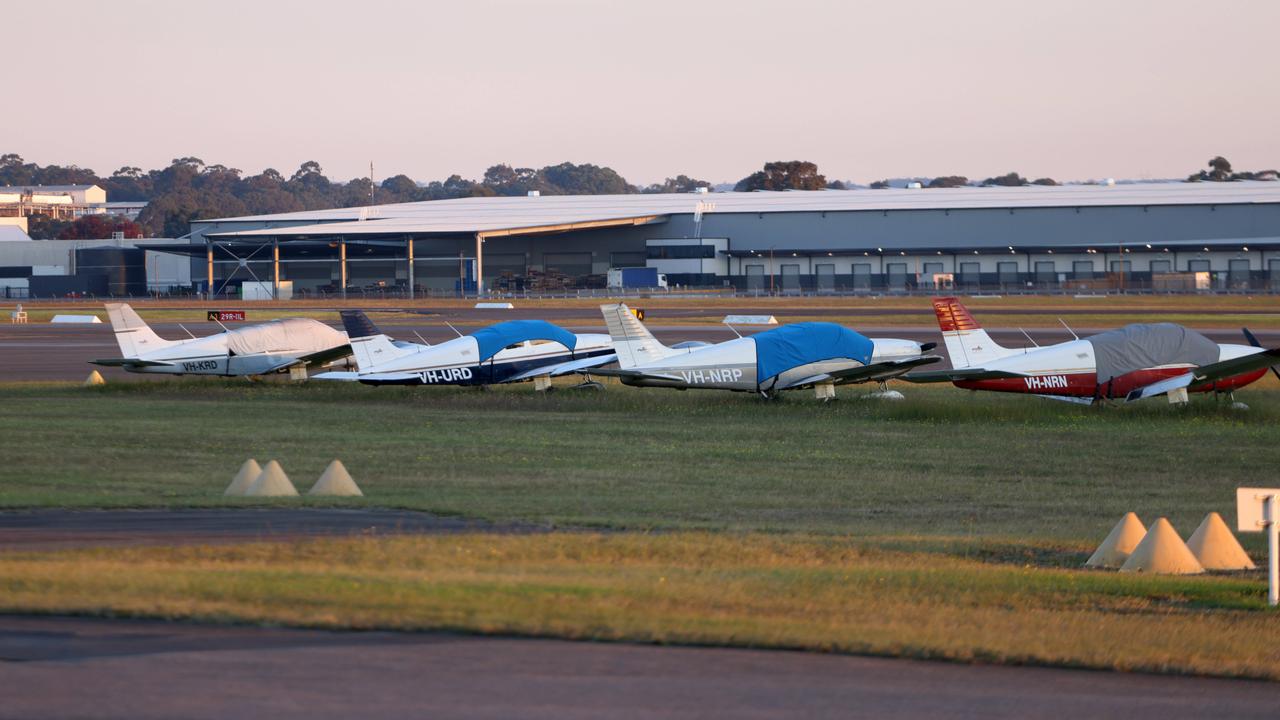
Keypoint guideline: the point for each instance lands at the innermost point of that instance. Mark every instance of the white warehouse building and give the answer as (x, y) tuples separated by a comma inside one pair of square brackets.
[(1163, 237)]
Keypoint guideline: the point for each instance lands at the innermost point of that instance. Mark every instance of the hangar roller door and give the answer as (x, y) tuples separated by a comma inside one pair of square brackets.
[(826, 277), (1160, 266), (1238, 274), (755, 278), (970, 274), (1046, 273), (862, 276), (567, 263), (1273, 267), (897, 273), (1008, 273), (791, 279)]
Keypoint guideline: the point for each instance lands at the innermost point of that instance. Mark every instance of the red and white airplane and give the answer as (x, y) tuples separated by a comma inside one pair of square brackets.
[(1130, 363)]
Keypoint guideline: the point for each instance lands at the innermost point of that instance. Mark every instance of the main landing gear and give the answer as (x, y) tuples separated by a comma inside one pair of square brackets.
[(884, 393), (1231, 398)]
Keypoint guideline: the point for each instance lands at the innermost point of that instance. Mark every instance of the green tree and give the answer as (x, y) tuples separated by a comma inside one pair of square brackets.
[(677, 184), (948, 181), (1012, 179), (783, 175), (43, 227), (99, 227)]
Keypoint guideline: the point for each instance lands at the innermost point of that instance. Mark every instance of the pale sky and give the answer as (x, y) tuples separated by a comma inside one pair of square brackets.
[(712, 89)]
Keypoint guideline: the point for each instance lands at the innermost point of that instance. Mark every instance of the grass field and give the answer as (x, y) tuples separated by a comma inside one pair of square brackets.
[(942, 462), (949, 525), (904, 597)]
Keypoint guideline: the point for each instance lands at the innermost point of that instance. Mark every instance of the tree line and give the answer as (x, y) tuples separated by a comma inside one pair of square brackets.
[(189, 189)]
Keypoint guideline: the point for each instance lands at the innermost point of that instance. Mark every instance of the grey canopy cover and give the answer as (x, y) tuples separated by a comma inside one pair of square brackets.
[(1134, 347), (290, 335)]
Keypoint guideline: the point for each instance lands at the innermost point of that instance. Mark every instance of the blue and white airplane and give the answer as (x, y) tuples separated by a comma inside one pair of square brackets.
[(820, 355), (512, 351)]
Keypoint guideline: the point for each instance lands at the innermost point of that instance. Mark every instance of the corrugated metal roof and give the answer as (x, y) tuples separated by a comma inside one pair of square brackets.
[(480, 214), (13, 233), (44, 188)]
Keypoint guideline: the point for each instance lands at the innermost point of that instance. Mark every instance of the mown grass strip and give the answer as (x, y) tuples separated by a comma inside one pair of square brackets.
[(824, 594)]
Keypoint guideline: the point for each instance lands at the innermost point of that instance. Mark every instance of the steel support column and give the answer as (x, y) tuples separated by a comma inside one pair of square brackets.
[(208, 291), (342, 267), (408, 243), (479, 265), (275, 269)]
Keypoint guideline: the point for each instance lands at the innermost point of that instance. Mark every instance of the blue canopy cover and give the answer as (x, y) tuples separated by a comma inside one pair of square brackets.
[(791, 346), (493, 339)]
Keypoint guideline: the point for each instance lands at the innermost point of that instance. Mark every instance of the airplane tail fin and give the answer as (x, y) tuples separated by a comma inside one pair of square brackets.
[(369, 346), (632, 341), (968, 344), (133, 335)]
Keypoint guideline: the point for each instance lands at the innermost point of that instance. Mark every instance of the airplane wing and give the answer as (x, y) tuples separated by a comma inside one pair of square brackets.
[(638, 374), (933, 376), (323, 357), (343, 375), (865, 373), (130, 362), (565, 368), (882, 370), (1208, 373)]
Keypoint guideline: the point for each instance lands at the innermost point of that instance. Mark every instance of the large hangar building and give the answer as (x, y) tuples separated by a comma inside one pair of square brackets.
[(1153, 236)]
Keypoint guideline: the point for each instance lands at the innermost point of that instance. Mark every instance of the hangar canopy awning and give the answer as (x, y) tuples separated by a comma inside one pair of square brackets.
[(402, 227)]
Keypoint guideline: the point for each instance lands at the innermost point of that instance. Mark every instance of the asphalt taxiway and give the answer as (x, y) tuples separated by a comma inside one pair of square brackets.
[(138, 669)]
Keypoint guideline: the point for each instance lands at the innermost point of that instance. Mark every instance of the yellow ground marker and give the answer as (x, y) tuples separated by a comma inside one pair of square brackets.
[(1162, 552), (1119, 543)]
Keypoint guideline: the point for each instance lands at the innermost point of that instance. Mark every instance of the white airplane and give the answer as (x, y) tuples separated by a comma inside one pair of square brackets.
[(511, 351), (293, 345), (1132, 362), (809, 354)]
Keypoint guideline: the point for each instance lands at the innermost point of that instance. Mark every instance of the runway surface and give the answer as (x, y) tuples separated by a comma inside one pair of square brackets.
[(90, 668), (62, 352), (61, 529)]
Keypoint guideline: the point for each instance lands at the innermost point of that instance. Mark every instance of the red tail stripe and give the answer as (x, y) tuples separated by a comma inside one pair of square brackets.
[(953, 316)]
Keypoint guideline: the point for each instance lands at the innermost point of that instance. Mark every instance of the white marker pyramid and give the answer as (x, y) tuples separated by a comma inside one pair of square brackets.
[(249, 472), (272, 482), (1216, 548), (1119, 543), (336, 481), (1162, 551)]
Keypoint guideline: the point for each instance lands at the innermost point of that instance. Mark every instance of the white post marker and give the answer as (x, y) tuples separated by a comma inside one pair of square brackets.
[(1258, 510)]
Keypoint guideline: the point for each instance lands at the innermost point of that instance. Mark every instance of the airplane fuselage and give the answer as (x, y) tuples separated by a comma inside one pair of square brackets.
[(732, 366), (1070, 370), (454, 362)]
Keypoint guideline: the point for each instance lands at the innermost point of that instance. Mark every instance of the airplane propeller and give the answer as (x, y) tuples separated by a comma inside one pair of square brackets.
[(1254, 342)]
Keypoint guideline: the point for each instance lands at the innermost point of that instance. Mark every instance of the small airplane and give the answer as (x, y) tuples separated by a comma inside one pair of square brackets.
[(292, 345), (512, 351), (1129, 363), (810, 354)]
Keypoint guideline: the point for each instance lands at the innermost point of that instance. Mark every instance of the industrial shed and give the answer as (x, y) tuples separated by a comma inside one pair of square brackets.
[(1142, 236)]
